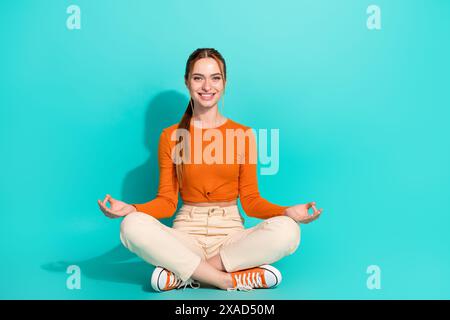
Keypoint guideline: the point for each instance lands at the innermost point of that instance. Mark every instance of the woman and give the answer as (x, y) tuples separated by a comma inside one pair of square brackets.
[(208, 242)]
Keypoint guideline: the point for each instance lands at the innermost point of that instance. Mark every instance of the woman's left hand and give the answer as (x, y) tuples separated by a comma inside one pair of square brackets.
[(300, 213)]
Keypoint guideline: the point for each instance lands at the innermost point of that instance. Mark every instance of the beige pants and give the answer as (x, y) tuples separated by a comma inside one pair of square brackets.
[(202, 232)]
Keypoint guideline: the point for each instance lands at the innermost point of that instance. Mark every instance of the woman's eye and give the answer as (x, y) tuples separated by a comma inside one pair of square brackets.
[(196, 78), (216, 78)]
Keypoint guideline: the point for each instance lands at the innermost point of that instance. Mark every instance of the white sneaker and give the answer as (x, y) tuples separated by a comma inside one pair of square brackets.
[(263, 277), (164, 280)]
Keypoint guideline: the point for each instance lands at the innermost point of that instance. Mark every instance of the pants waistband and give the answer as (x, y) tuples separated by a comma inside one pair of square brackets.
[(210, 210)]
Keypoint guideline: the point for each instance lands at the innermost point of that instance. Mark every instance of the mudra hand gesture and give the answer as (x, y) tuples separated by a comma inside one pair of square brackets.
[(300, 213), (118, 208)]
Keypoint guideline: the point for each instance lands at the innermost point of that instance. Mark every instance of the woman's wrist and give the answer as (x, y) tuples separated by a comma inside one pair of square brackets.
[(286, 211)]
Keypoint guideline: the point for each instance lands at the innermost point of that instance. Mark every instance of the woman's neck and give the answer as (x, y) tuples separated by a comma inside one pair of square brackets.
[(207, 117)]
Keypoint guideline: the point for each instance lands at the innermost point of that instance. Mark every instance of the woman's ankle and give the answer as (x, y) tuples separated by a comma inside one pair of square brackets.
[(227, 281)]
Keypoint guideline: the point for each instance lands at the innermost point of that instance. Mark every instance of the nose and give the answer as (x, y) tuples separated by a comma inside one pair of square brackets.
[(206, 86)]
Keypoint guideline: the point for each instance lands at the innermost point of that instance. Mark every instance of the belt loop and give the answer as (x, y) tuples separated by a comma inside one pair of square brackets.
[(191, 212), (215, 208)]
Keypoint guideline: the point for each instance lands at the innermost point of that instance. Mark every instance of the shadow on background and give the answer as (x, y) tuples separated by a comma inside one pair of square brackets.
[(140, 185)]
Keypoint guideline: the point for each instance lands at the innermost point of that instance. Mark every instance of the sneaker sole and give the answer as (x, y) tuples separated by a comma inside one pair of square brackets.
[(275, 272), (155, 279)]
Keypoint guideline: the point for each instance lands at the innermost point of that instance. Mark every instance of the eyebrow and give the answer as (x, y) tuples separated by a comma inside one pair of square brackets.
[(199, 74)]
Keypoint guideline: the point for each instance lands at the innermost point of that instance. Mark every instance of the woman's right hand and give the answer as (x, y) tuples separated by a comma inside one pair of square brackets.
[(118, 208)]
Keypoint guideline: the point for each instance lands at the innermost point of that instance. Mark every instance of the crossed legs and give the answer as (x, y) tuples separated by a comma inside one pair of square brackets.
[(176, 251)]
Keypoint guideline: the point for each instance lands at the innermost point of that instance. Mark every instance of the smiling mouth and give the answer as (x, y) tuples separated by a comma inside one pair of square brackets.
[(206, 94)]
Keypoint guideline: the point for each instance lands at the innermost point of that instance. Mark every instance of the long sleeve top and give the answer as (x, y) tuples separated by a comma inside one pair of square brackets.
[(222, 167)]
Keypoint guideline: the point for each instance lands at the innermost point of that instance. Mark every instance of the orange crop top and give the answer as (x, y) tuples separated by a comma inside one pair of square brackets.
[(209, 180)]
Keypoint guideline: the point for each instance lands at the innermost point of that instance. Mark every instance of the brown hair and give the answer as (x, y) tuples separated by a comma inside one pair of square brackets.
[(185, 122)]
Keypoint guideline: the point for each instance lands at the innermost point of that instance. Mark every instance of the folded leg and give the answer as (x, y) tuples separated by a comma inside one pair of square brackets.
[(160, 245), (265, 243)]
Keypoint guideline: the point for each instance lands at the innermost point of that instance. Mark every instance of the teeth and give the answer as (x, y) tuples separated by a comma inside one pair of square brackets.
[(205, 94)]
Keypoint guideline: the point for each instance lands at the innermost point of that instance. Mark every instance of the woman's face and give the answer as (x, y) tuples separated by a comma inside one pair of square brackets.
[(206, 83)]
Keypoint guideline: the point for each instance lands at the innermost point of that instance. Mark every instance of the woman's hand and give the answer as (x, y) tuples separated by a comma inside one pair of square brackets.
[(118, 208), (300, 213)]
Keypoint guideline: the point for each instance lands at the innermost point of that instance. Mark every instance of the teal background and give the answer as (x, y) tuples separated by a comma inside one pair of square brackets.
[(363, 118)]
